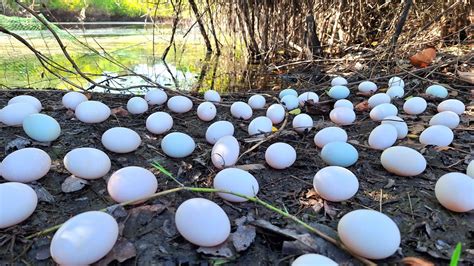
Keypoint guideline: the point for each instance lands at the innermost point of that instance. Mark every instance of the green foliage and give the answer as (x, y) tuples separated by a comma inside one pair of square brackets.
[(456, 255)]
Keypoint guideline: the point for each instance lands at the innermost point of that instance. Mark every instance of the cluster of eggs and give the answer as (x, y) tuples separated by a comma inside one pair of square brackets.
[(202, 221)]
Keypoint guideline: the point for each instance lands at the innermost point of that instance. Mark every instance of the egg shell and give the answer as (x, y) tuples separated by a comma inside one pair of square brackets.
[(367, 87), (237, 181), (257, 101), (92, 112), (225, 152), (342, 116), (313, 259), (453, 105), (156, 97), (41, 127), (87, 163), (179, 104), (121, 140), (131, 183), (302, 123), (218, 130), (383, 136), (455, 191), (378, 98), (308, 96), (338, 92), (212, 96), (437, 135), (137, 105), (276, 113), (470, 169), (335, 183), (17, 202), (27, 99), (339, 153), (202, 222), (241, 110), (344, 103), (403, 161), (369, 234), (178, 145), (338, 81), (329, 134), (437, 91), (290, 102), (72, 99), (206, 111), (14, 114), (280, 155), (445, 118), (383, 110), (84, 238), (285, 92), (25, 165), (260, 125), (396, 81), (159, 123), (399, 124), (415, 106), (395, 92)]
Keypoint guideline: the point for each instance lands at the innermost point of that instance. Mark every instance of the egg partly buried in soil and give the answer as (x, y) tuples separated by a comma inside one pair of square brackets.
[(87, 163), (17, 202), (131, 183), (18, 166), (237, 181)]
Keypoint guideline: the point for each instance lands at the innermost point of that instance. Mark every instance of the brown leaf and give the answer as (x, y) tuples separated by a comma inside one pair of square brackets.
[(119, 111), (423, 58), (122, 251), (414, 261), (466, 76), (362, 106)]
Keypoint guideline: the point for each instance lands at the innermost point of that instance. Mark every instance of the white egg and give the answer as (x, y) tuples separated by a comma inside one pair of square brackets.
[(378, 98), (445, 118), (329, 134), (84, 238), (370, 234), (344, 103), (225, 152), (437, 91), (395, 92), (383, 136), (260, 125), (290, 102), (338, 92), (156, 97), (302, 123), (257, 101), (383, 110), (179, 104), (276, 113), (25, 165), (339, 153), (121, 140), (237, 181), (437, 135), (399, 124), (178, 145), (72, 99), (342, 116), (137, 105), (338, 81), (131, 183), (308, 96), (14, 114), (27, 99), (212, 96), (202, 222), (396, 81), (41, 127), (159, 123), (92, 112), (285, 92), (367, 87), (218, 130), (87, 163), (453, 105), (403, 161), (313, 259), (206, 111), (335, 183), (415, 106), (280, 155), (470, 169), (455, 191), (17, 202), (241, 110)]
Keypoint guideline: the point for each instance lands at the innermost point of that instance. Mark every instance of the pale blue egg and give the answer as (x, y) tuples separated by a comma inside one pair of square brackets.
[(339, 92), (339, 154), (285, 92), (41, 127), (437, 91)]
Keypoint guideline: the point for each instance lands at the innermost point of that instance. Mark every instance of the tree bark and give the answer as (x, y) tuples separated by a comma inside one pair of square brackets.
[(312, 45), (193, 5)]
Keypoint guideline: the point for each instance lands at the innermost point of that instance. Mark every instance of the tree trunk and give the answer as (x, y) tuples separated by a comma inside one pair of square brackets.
[(193, 5), (312, 43)]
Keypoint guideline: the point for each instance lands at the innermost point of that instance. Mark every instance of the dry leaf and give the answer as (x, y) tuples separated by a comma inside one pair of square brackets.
[(251, 167), (122, 251), (466, 76), (423, 58), (414, 261), (244, 235), (362, 107), (72, 184), (119, 111), (17, 144)]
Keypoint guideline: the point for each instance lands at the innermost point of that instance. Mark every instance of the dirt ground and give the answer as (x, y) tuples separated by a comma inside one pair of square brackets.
[(428, 230)]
